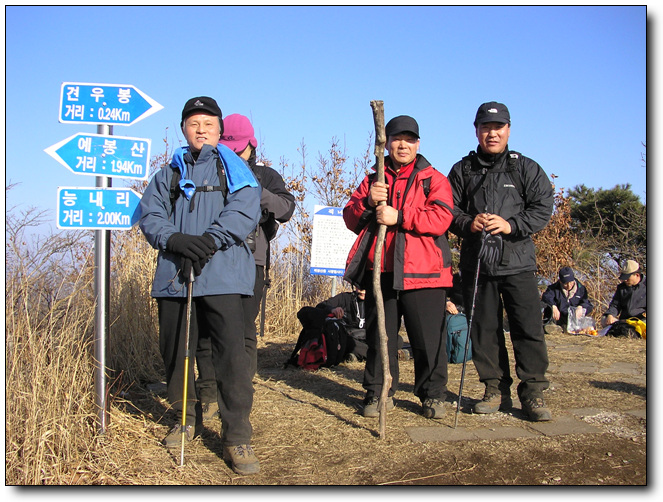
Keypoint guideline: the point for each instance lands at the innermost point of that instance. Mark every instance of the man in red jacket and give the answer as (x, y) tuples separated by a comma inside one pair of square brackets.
[(415, 269)]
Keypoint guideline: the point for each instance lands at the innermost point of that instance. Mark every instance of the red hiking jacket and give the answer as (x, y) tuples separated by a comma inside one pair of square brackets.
[(416, 249)]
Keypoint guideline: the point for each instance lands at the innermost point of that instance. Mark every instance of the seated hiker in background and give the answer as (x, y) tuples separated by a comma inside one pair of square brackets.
[(567, 293), (349, 306), (630, 298), (455, 297)]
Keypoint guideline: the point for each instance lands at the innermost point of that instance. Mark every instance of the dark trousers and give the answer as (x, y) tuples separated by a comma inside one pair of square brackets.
[(423, 313), (251, 306), (219, 319), (519, 296)]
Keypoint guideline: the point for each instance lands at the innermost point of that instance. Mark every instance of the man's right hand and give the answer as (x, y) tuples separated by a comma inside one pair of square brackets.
[(555, 313), (378, 193), (338, 312), (610, 319), (193, 247)]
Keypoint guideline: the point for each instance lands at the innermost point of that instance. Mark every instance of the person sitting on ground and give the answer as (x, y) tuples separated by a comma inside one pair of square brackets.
[(349, 306), (567, 293), (455, 297), (630, 298)]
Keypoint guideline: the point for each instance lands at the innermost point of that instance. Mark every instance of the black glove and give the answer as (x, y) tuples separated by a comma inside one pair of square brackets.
[(491, 248), (194, 247), (187, 264)]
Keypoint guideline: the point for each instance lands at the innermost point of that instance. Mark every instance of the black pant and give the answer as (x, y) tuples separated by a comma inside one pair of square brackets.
[(217, 318), (519, 296), (251, 306), (423, 313)]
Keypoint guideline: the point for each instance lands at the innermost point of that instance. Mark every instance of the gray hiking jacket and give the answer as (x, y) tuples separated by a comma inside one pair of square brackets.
[(232, 268)]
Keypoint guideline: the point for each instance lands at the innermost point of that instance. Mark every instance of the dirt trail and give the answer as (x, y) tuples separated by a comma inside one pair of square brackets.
[(308, 430)]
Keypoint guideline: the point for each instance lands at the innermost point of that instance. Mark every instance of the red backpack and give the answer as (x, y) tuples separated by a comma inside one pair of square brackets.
[(321, 343)]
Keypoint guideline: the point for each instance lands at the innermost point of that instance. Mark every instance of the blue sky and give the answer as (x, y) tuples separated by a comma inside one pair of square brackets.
[(574, 79)]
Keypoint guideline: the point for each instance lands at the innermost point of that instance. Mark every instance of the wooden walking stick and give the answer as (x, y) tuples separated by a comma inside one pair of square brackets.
[(380, 142)]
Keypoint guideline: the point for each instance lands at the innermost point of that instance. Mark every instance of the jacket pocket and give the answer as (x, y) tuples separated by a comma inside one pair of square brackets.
[(443, 244)]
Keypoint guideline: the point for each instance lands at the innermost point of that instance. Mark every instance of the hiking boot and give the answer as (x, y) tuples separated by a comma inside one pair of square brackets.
[(242, 459), (371, 409), (536, 410), (553, 329), (433, 408), (493, 402), (174, 437), (210, 410), (404, 355)]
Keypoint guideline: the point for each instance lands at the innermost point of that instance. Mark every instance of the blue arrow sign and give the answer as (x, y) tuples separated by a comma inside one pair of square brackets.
[(328, 211), (104, 104), (102, 155), (98, 208)]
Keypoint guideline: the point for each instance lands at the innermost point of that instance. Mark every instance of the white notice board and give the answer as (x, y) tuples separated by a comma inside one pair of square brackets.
[(331, 241)]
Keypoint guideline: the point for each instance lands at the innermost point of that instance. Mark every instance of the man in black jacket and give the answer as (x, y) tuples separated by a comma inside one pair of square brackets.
[(501, 198), (630, 298), (349, 306), (561, 296)]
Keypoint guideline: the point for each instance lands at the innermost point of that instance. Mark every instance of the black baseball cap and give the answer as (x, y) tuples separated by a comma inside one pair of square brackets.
[(401, 124), (566, 275), (492, 112), (201, 104)]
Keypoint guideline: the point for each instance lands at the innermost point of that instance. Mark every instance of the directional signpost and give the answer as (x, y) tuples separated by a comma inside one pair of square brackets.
[(102, 208), (103, 155), (97, 208), (112, 104)]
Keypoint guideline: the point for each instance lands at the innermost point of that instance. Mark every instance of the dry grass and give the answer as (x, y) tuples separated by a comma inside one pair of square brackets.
[(307, 431)]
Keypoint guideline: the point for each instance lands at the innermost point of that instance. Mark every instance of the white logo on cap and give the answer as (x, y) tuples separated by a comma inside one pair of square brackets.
[(198, 103), (492, 110)]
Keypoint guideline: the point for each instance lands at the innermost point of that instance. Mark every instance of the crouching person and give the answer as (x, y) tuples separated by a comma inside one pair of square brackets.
[(201, 228)]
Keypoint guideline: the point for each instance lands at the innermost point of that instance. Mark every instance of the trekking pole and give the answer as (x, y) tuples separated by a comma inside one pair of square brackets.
[(186, 359), (467, 341), (380, 141)]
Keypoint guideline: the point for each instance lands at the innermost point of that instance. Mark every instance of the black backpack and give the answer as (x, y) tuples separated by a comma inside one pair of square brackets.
[(322, 342), (623, 329)]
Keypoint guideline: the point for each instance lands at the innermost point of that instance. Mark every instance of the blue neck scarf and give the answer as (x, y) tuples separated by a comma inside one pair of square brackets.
[(238, 174)]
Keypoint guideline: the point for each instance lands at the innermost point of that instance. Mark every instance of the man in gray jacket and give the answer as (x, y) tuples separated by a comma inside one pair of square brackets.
[(501, 198), (200, 224)]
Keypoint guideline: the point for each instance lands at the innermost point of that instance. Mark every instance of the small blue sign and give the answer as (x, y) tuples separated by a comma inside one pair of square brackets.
[(328, 211), (98, 208), (102, 155), (111, 104)]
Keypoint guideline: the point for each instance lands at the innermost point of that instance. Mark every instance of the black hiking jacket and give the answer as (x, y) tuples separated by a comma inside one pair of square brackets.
[(489, 186)]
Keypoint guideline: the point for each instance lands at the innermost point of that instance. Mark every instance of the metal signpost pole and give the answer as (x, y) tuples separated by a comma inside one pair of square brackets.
[(105, 208), (101, 287)]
